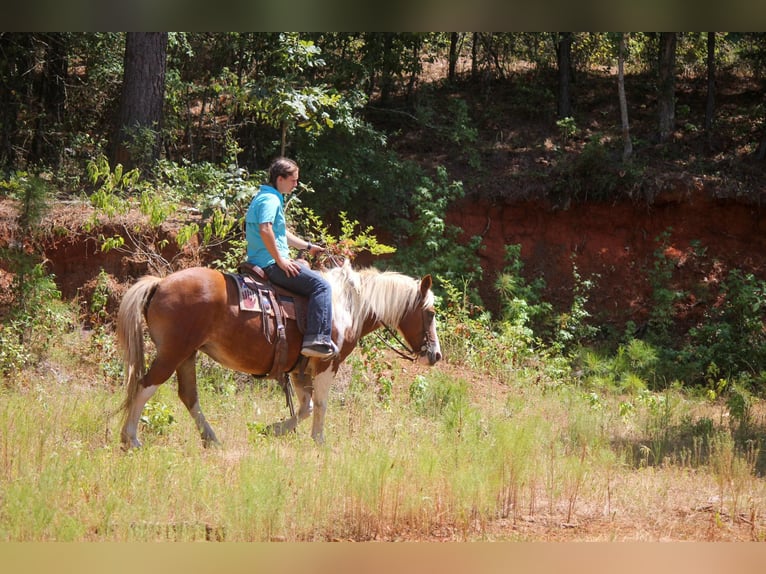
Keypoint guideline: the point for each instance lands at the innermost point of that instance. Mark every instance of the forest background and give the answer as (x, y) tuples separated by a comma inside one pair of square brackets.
[(394, 129), (126, 153)]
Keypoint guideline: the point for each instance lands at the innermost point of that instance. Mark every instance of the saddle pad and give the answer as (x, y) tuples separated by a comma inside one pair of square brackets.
[(250, 297), (256, 296)]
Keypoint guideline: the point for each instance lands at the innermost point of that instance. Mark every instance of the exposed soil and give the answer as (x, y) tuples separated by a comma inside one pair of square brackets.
[(616, 245), (613, 244)]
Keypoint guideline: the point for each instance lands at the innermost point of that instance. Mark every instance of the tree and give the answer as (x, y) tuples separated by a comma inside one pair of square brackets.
[(136, 138), (666, 96), (50, 90), (454, 50), (627, 144), (15, 60), (564, 57), (710, 106)]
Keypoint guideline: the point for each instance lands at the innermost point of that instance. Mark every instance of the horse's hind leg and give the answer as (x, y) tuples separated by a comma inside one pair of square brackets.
[(157, 374), (302, 387), (129, 434), (187, 392)]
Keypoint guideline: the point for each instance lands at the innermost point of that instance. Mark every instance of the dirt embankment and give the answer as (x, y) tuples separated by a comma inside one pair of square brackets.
[(616, 244)]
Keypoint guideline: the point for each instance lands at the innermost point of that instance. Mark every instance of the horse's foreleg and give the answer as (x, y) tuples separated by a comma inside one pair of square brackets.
[(302, 388), (187, 392), (322, 383)]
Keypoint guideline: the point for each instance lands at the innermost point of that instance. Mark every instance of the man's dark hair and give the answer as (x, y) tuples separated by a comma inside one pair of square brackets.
[(281, 167)]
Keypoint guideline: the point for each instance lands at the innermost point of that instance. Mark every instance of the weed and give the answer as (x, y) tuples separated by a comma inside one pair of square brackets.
[(157, 418), (567, 129)]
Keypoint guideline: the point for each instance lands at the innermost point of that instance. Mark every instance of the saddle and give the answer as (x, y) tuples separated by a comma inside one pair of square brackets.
[(276, 305)]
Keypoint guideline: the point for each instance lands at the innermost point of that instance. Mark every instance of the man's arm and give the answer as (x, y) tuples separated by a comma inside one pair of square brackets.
[(295, 241)]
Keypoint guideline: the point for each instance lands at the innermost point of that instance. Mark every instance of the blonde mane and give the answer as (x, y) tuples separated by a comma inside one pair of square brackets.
[(383, 296)]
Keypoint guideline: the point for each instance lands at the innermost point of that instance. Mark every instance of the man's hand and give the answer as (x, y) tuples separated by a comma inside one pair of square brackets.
[(316, 249), (289, 266)]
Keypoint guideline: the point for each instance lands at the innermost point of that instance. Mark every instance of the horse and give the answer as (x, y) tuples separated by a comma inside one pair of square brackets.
[(197, 309)]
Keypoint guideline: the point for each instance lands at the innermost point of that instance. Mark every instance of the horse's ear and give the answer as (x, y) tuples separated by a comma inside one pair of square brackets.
[(425, 285)]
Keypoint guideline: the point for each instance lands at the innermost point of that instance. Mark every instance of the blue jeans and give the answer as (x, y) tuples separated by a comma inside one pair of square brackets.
[(310, 284)]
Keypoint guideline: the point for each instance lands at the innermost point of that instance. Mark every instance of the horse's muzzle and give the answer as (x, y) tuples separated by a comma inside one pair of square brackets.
[(432, 354)]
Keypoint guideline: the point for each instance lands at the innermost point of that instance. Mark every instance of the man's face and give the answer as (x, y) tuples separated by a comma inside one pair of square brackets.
[(287, 184)]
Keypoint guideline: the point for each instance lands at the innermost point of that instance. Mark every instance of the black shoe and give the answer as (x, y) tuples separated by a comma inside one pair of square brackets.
[(319, 350)]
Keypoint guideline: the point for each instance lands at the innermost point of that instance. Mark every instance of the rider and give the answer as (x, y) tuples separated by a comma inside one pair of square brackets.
[(268, 242)]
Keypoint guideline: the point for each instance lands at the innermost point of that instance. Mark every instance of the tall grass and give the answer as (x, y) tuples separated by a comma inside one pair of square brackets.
[(440, 458)]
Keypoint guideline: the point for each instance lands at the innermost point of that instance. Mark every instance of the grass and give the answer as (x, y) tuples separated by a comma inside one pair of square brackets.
[(456, 457)]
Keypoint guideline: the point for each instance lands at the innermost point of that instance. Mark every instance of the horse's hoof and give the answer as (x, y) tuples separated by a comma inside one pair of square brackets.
[(213, 443), (131, 444)]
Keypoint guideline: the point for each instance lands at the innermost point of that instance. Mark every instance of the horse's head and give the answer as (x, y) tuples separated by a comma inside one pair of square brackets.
[(418, 325)]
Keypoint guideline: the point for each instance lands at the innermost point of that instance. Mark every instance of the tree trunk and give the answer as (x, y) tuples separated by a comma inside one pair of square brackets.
[(710, 106), (760, 155), (16, 50), (627, 144), (137, 137), (475, 55), (386, 72), (564, 57), (415, 66), (667, 85), (454, 39), (50, 93)]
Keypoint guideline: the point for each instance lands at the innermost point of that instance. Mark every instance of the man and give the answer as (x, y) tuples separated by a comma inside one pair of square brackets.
[(268, 243)]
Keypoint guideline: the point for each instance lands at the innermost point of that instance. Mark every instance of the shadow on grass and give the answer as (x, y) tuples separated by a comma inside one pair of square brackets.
[(701, 443)]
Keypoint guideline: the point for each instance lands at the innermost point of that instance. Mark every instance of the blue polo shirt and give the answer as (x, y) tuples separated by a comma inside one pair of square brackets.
[(268, 206)]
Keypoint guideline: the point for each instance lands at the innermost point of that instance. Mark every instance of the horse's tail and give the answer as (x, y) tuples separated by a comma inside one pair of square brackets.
[(130, 334)]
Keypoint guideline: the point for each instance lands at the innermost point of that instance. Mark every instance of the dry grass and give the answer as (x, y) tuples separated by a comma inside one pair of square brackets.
[(503, 462)]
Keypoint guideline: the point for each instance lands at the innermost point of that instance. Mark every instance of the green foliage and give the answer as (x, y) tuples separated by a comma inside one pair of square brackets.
[(465, 330), (350, 242), (529, 101), (371, 371), (14, 353), (525, 310), (740, 403), (285, 100), (594, 174), (567, 129), (731, 335), (32, 191), (664, 294), (157, 418), (141, 143), (573, 326), (222, 193), (631, 369), (36, 315), (441, 397), (523, 306), (453, 123), (432, 245), (100, 297)]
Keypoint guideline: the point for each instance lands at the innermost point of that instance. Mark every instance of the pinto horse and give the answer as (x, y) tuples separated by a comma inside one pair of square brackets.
[(197, 309)]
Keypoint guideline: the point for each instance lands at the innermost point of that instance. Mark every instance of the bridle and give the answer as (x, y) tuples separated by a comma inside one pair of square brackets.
[(408, 353)]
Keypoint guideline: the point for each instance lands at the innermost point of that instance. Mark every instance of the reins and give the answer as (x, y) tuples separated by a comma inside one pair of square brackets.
[(412, 354)]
